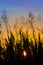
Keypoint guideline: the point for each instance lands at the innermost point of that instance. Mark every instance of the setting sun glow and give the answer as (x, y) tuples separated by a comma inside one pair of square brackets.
[(24, 53)]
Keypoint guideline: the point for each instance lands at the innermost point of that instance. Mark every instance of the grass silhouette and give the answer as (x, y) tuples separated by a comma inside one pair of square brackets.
[(14, 53), (34, 53)]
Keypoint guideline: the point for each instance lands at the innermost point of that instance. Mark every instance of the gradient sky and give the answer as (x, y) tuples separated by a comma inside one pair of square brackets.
[(21, 7)]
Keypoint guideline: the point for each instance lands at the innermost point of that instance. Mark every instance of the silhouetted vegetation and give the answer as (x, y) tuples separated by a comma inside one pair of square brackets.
[(14, 53), (11, 55)]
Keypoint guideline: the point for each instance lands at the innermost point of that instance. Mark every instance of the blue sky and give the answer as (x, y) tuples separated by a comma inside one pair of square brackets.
[(21, 7)]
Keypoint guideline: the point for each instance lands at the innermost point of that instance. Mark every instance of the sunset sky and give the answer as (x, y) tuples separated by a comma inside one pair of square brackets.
[(17, 8), (21, 7)]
